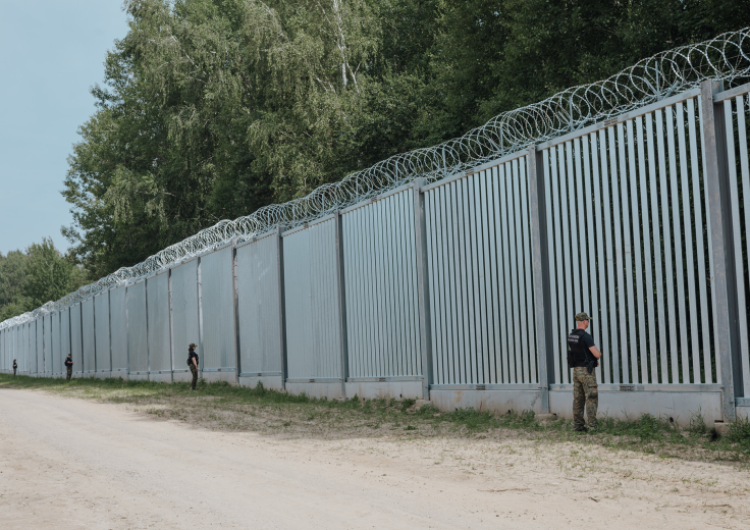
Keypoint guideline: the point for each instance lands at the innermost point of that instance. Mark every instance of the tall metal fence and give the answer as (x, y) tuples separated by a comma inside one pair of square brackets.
[(461, 285)]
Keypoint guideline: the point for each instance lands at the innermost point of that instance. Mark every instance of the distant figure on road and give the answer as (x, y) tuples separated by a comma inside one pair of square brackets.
[(69, 365), (15, 367), (193, 363)]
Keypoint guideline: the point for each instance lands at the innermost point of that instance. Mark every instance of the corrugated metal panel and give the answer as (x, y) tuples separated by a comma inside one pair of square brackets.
[(64, 337), (381, 288), (480, 281), (608, 255), (159, 346), (217, 299), (89, 337), (118, 322), (185, 316), (312, 302), (57, 367), (101, 310), (737, 118), (137, 329), (258, 306), (39, 330), (76, 338), (48, 363)]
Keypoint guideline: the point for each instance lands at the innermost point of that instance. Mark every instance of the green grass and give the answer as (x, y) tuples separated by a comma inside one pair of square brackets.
[(225, 407)]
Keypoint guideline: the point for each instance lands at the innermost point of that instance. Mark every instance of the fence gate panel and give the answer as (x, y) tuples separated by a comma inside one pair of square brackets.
[(185, 315), (137, 330), (312, 302), (737, 120), (47, 342), (118, 321), (618, 192), (217, 300), (382, 303), (30, 333), (258, 306), (480, 278), (101, 313), (76, 338), (159, 344), (89, 337)]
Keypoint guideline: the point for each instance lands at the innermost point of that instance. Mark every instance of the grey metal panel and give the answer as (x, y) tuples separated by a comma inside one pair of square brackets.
[(57, 355), (64, 337), (391, 269), (137, 329), (312, 302), (611, 307), (217, 301), (39, 330), (603, 328), (742, 110), (101, 320), (76, 338), (48, 345), (159, 343), (185, 317), (258, 305), (88, 339), (549, 176), (118, 322)]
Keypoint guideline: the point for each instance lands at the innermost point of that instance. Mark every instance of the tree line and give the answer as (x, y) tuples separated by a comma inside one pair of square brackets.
[(210, 109)]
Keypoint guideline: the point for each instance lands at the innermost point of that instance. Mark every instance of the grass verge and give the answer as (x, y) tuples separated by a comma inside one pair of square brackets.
[(220, 406)]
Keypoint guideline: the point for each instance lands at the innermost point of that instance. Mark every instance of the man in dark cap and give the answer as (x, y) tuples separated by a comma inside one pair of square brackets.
[(193, 363), (583, 358)]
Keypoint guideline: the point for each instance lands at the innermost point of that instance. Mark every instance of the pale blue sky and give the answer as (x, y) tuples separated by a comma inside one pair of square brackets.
[(51, 53)]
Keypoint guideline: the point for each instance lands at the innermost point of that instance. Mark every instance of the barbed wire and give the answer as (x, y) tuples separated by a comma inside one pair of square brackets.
[(723, 58)]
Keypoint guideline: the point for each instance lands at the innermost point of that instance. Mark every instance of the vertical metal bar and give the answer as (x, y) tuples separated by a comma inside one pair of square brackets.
[(449, 305), (538, 225), (510, 299), (431, 287), (581, 223), (687, 226), (370, 337), (531, 304), (700, 248), (677, 360), (612, 299), (425, 300), (501, 327), (469, 276), (408, 290), (744, 353), (650, 316), (568, 309), (603, 326), (619, 255), (549, 267), (475, 247), (342, 302), (457, 308), (489, 352), (495, 284), (524, 376), (724, 273), (282, 304), (559, 308), (483, 323), (573, 221), (678, 231), (441, 215), (387, 250), (591, 222), (235, 313)]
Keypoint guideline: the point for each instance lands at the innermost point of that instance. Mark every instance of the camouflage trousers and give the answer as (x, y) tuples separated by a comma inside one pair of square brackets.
[(194, 370), (70, 372), (585, 393)]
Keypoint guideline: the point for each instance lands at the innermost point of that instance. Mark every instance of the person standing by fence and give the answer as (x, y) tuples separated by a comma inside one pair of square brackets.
[(193, 364), (583, 358), (15, 367), (69, 366)]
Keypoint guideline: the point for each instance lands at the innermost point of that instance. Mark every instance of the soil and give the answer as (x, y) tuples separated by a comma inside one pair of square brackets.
[(68, 463)]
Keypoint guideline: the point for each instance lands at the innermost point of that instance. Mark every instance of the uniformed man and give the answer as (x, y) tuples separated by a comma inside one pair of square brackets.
[(69, 365), (15, 367), (193, 363), (583, 358)]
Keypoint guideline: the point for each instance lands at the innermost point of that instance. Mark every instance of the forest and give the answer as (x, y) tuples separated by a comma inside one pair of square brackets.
[(211, 109)]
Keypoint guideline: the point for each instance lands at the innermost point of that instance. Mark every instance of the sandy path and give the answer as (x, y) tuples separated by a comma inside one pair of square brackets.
[(67, 463)]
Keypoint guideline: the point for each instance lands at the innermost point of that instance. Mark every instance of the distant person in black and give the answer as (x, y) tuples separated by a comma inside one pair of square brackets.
[(69, 365), (15, 367), (193, 363)]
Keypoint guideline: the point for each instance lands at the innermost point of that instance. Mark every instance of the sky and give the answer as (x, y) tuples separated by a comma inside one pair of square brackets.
[(52, 53)]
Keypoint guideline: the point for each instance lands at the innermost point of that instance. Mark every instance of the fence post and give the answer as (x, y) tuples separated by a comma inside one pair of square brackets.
[(236, 313), (425, 323), (723, 275), (342, 302), (282, 303), (537, 214)]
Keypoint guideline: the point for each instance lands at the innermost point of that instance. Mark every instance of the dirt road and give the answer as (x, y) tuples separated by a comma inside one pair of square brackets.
[(77, 464)]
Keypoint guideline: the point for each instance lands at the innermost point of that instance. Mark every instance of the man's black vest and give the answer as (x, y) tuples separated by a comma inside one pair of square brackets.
[(578, 353)]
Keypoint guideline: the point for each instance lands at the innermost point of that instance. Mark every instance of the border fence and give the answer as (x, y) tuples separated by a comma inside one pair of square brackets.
[(453, 274)]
